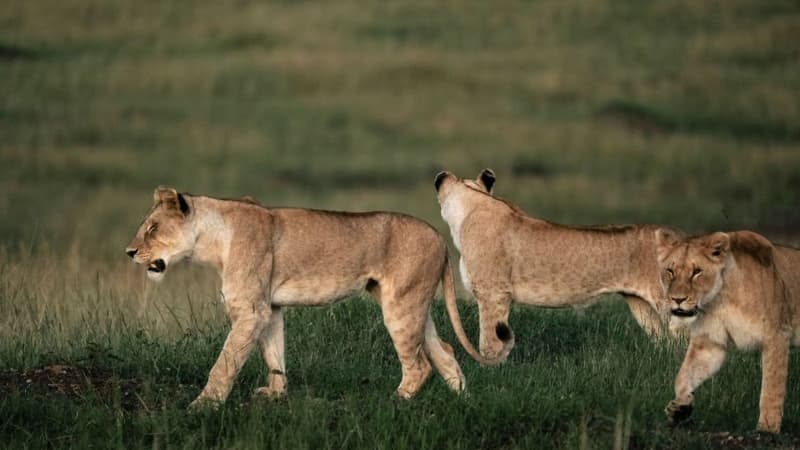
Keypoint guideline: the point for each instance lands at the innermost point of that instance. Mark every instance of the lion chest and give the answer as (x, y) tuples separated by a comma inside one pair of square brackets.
[(744, 333), (462, 268), (731, 326)]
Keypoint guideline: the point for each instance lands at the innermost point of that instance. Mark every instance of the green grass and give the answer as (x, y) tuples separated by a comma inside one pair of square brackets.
[(677, 112), (572, 377)]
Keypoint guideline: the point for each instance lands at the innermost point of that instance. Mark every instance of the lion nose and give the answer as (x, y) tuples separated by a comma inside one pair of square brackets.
[(679, 300), (131, 252)]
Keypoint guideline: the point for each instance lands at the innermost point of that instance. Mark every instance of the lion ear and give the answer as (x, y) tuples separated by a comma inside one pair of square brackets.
[(666, 239), (161, 193), (755, 245), (183, 205), (718, 245), (171, 199), (440, 177), (487, 178)]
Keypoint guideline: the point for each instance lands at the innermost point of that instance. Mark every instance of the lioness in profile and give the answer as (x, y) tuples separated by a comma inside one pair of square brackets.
[(270, 258), (508, 256), (732, 288)]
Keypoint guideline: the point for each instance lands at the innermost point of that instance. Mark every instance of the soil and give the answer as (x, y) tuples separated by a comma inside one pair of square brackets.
[(78, 384)]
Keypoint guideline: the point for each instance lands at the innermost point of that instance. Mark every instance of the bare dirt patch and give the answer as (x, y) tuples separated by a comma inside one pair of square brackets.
[(74, 383), (732, 441)]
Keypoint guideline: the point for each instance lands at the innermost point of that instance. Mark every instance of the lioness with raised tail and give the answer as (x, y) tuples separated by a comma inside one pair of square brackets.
[(732, 289), (269, 258), (507, 256)]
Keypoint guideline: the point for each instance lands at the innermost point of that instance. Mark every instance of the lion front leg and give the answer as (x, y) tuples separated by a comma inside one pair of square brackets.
[(248, 319), (774, 371), (704, 358), (271, 342)]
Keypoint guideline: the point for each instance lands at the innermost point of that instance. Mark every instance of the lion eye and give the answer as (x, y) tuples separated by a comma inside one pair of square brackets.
[(670, 273), (152, 228), (697, 271)]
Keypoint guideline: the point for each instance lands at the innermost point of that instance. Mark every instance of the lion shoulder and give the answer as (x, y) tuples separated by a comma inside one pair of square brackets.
[(764, 279)]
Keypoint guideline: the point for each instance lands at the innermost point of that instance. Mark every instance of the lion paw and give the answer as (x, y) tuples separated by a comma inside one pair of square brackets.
[(456, 384), (767, 426), (403, 394), (270, 393), (203, 403), (677, 413)]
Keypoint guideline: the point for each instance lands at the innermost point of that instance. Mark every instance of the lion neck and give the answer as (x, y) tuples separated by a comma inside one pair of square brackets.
[(212, 233), (457, 206)]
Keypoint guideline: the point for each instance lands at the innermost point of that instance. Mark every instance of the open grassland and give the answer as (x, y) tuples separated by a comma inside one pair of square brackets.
[(677, 112), (116, 367), (574, 381)]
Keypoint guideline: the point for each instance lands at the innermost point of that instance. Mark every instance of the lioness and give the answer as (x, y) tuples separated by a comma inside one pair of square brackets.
[(507, 256), (732, 288), (270, 258)]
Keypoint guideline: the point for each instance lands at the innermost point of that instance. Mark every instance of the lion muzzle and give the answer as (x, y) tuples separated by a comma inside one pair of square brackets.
[(679, 312)]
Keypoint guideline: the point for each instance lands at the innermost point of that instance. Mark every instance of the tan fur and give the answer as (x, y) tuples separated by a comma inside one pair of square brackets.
[(507, 256), (743, 291), (276, 257)]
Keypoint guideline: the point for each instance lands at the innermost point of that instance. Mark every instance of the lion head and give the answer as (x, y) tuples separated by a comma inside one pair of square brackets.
[(484, 182), (692, 270), (165, 235)]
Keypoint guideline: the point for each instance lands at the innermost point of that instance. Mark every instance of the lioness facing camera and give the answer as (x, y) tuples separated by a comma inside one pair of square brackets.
[(732, 288), (274, 257)]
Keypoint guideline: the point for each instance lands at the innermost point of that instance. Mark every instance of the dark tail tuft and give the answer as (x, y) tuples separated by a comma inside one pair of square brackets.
[(503, 332)]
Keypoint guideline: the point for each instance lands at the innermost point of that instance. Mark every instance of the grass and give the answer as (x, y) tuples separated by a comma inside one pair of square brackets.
[(674, 112), (556, 390), (142, 352)]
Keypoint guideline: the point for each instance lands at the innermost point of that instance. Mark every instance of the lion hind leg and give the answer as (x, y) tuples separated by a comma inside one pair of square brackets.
[(443, 358), (404, 318), (646, 316), (271, 343)]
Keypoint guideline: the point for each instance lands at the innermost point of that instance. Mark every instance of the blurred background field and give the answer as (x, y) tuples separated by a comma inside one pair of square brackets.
[(590, 112), (677, 112)]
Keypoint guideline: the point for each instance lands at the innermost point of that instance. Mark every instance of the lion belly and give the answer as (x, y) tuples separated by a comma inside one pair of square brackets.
[(315, 292), (549, 295)]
